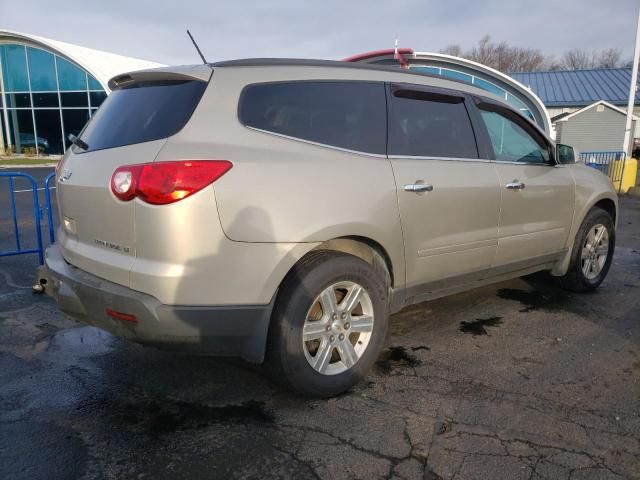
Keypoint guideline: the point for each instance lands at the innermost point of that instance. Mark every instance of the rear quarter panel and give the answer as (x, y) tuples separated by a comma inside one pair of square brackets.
[(287, 191)]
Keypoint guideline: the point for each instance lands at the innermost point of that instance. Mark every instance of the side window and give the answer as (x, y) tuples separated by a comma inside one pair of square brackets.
[(511, 141), (427, 124), (349, 115)]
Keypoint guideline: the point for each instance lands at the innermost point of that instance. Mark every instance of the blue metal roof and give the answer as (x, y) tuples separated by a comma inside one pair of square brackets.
[(577, 88)]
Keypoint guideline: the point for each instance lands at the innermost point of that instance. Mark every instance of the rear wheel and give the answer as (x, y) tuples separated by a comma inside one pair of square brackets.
[(592, 252), (329, 323)]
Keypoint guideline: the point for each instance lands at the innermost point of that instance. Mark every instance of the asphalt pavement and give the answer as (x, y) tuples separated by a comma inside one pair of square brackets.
[(518, 380)]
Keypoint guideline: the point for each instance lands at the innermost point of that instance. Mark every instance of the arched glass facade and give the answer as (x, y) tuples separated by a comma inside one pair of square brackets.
[(44, 98), (478, 82), (475, 80)]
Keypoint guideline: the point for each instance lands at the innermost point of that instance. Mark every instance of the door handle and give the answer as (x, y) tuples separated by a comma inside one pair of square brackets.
[(515, 185), (418, 187)]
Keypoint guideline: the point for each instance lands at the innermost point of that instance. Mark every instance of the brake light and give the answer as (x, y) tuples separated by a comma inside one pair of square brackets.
[(161, 183)]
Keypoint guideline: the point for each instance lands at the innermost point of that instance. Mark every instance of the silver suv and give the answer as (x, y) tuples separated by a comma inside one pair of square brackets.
[(282, 209)]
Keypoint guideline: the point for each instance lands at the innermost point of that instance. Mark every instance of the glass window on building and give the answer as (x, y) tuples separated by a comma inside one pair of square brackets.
[(480, 83), (49, 128), (14, 68), (70, 77), (42, 70), (489, 87), (429, 70), (17, 100), (521, 107), (46, 96), (21, 130), (3, 132), (97, 98), (94, 84), (74, 99), (74, 121), (463, 77), (45, 99)]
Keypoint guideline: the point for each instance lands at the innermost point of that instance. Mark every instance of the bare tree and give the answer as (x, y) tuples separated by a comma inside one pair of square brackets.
[(504, 57), (609, 58), (484, 52), (526, 60), (551, 64), (455, 50), (507, 58), (578, 59)]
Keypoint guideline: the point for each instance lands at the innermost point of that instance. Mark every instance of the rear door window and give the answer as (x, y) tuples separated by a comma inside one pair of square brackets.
[(430, 124), (142, 112), (349, 115)]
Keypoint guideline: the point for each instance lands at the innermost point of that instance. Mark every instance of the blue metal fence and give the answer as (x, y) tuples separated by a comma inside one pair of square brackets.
[(37, 210), (47, 205), (609, 163)]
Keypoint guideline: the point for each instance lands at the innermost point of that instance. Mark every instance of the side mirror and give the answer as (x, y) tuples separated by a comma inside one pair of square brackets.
[(565, 154)]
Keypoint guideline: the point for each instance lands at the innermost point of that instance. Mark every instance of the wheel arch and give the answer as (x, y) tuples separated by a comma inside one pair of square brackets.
[(364, 248), (609, 206), (605, 202)]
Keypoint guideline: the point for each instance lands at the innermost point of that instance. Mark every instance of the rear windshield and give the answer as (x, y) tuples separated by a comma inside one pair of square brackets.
[(142, 112)]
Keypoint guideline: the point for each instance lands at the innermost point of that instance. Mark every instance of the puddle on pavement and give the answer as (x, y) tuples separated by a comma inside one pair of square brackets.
[(535, 299), (477, 327), (82, 341), (165, 416), (396, 356)]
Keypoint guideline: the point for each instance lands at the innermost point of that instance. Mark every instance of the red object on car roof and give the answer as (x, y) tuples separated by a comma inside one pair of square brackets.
[(396, 52)]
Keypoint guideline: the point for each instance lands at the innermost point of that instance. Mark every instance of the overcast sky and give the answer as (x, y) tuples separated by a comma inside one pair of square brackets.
[(333, 29)]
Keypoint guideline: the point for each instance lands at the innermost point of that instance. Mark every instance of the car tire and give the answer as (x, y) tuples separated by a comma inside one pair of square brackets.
[(342, 340), (592, 252)]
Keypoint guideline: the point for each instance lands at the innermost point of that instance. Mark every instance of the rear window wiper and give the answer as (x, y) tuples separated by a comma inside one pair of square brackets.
[(78, 142)]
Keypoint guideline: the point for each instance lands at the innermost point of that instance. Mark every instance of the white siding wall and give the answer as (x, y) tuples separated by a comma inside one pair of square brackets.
[(592, 130), (553, 111)]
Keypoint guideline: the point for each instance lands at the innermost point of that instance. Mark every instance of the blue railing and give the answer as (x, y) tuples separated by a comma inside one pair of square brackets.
[(37, 214), (609, 163), (47, 205)]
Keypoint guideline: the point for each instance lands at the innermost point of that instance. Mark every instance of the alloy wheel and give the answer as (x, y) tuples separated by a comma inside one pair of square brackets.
[(595, 251), (338, 328)]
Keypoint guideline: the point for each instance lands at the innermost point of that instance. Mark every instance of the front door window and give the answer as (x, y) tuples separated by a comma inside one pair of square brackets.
[(512, 141)]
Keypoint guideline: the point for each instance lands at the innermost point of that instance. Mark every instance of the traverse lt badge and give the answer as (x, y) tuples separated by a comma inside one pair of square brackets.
[(66, 175)]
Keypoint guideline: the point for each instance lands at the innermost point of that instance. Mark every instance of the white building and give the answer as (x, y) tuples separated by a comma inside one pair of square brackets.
[(49, 89)]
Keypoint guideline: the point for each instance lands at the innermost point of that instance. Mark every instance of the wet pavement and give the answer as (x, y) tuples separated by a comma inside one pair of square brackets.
[(516, 380)]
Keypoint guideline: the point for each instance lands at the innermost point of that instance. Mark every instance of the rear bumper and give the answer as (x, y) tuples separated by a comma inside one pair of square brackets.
[(225, 330)]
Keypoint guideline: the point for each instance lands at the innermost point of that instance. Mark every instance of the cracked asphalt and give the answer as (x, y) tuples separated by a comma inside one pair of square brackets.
[(516, 380)]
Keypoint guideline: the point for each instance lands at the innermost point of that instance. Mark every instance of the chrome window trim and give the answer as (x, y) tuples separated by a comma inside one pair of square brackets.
[(535, 164), (458, 159), (449, 159), (317, 144)]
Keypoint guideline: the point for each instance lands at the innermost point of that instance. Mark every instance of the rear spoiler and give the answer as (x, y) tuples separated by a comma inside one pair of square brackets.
[(191, 72)]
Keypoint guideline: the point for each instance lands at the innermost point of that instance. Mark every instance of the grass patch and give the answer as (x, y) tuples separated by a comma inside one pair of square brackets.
[(27, 160)]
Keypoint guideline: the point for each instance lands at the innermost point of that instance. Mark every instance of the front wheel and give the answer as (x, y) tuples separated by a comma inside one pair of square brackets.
[(592, 252), (329, 324)]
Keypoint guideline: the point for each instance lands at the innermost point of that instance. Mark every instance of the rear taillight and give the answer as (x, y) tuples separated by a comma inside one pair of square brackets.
[(161, 183)]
